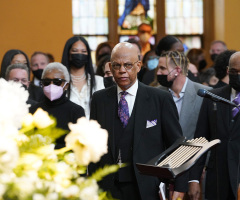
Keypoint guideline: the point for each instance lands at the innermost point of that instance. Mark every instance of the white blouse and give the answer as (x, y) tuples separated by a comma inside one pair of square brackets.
[(82, 98)]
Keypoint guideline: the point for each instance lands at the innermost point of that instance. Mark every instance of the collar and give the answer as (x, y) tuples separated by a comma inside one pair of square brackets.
[(132, 90), (183, 88), (234, 93), (36, 81)]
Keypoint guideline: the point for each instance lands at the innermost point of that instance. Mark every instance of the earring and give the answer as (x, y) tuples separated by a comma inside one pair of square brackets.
[(175, 75)]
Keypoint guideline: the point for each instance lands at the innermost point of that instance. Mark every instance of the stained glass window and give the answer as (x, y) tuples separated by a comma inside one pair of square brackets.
[(90, 17), (134, 12), (184, 17)]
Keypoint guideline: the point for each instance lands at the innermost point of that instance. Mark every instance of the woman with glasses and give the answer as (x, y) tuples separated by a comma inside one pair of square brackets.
[(55, 81), (83, 83)]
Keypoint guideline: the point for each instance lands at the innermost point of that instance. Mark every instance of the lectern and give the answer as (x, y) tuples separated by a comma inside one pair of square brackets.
[(177, 159)]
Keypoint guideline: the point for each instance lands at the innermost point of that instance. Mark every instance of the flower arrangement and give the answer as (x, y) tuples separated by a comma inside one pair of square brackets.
[(30, 167)]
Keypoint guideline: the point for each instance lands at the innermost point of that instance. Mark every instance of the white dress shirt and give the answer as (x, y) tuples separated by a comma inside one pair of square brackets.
[(130, 97), (178, 101), (82, 98)]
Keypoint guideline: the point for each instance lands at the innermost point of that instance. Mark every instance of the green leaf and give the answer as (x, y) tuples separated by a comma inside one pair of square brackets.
[(102, 172)]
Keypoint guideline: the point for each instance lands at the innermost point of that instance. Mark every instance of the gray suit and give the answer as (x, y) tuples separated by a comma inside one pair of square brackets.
[(190, 108)]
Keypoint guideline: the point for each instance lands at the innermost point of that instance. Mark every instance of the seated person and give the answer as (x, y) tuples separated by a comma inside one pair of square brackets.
[(19, 73), (55, 81)]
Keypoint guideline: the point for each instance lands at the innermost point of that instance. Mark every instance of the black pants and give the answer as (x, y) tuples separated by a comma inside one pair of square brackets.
[(126, 191)]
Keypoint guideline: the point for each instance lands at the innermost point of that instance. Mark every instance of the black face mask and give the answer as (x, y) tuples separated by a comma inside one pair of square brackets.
[(202, 64), (234, 81), (213, 57), (24, 86), (79, 60), (108, 81), (162, 79), (38, 73)]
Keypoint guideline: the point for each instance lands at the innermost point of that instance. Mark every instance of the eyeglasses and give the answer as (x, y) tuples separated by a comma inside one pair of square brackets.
[(56, 81), (127, 66)]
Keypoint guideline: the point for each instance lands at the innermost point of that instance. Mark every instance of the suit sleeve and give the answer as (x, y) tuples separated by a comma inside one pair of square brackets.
[(202, 130), (93, 109), (172, 131)]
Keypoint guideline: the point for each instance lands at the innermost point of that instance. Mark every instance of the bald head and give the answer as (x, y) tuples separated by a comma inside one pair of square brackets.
[(123, 48), (234, 61), (125, 64)]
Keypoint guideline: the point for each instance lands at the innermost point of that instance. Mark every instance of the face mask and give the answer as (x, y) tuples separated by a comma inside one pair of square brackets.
[(152, 64), (79, 60), (108, 81), (53, 92), (162, 79), (213, 57), (38, 73), (144, 37), (202, 64), (234, 81)]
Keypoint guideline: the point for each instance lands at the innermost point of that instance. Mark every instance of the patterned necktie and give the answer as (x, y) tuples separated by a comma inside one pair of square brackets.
[(236, 100), (123, 111)]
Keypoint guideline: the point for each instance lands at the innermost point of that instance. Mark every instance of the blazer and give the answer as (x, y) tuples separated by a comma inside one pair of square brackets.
[(151, 104), (227, 153), (190, 109)]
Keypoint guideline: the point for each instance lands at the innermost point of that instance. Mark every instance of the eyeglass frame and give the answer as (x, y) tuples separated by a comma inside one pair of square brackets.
[(124, 65), (52, 81)]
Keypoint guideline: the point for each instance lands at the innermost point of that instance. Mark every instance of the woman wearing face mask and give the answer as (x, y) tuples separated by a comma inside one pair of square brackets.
[(83, 83), (150, 63), (55, 81)]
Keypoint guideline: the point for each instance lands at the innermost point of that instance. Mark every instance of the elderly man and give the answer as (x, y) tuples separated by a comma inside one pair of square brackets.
[(19, 73), (141, 122), (216, 48), (172, 76), (223, 176)]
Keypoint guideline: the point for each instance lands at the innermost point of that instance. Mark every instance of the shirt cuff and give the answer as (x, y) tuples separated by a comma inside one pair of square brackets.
[(193, 181)]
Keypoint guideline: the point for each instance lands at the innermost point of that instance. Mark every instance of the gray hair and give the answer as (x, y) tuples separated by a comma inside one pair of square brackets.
[(16, 66), (60, 67)]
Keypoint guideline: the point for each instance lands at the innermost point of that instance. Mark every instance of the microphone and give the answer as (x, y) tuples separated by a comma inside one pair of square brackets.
[(207, 94)]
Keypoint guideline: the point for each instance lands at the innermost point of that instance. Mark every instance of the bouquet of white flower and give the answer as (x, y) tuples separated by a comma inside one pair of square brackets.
[(30, 168)]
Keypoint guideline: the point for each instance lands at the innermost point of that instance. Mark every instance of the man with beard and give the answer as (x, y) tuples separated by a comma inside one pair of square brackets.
[(172, 76), (222, 179)]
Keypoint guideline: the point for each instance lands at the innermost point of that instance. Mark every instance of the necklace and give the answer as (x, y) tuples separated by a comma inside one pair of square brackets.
[(78, 78)]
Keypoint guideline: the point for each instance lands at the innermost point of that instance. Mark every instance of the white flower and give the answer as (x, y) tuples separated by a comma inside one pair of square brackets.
[(72, 191), (90, 192), (38, 196), (41, 119), (9, 153), (13, 105), (88, 141)]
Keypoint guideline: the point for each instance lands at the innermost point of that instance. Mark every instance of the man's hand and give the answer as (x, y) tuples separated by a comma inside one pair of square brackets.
[(194, 191), (177, 195)]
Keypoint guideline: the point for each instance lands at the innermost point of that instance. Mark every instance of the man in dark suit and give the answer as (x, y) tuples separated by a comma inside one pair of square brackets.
[(148, 127), (222, 179)]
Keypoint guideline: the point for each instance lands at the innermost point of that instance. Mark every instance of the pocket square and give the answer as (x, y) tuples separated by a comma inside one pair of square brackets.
[(151, 123)]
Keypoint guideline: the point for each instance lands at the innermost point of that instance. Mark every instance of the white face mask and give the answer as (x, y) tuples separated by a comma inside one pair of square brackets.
[(53, 92), (144, 37)]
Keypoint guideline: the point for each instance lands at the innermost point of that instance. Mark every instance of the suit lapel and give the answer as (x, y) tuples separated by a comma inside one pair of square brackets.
[(111, 105), (225, 110), (141, 109), (188, 99)]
